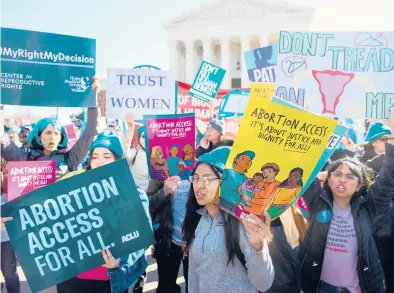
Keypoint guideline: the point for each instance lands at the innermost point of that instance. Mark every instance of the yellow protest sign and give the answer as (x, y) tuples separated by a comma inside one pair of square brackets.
[(275, 151), (262, 90)]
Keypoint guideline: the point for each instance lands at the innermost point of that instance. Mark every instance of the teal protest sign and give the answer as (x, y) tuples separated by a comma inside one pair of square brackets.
[(43, 69), (207, 82), (59, 230)]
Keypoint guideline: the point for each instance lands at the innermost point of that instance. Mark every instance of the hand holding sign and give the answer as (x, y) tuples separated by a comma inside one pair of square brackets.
[(96, 85), (258, 230), (110, 261), (3, 221), (170, 184)]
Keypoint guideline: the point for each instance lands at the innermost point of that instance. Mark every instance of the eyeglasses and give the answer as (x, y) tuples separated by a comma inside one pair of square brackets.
[(205, 180), (348, 177)]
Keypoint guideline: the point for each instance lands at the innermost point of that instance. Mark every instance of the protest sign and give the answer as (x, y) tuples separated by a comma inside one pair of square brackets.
[(43, 69), (72, 135), (231, 127), (276, 149), (190, 104), (346, 75), (207, 82), (234, 103), (262, 90), (59, 230), (170, 145), (140, 91), (261, 63), (23, 177)]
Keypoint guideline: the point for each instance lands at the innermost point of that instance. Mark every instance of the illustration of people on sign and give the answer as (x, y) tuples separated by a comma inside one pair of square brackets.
[(233, 179), (158, 164), (287, 191), (187, 162), (173, 161), (265, 190), (249, 187)]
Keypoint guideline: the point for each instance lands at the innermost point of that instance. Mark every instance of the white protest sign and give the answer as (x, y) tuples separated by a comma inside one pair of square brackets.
[(140, 91)]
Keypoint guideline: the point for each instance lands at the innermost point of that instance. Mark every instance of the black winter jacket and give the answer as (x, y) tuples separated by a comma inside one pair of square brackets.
[(371, 217), (200, 150), (160, 209)]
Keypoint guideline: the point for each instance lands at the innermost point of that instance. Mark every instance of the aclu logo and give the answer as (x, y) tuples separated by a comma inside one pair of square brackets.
[(130, 236), (78, 84)]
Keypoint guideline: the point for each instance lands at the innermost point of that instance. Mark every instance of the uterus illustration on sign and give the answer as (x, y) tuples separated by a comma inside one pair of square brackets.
[(332, 84)]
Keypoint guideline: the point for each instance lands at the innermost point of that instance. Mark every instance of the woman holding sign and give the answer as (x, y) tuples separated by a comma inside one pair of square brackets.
[(224, 256), (116, 275), (48, 142), (339, 253)]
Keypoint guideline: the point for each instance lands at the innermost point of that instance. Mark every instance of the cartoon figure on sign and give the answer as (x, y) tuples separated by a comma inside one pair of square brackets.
[(173, 161), (287, 192), (233, 178), (249, 187), (158, 164), (187, 163), (265, 189)]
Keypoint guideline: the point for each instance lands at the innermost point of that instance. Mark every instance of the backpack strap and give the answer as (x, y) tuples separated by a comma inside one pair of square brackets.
[(135, 157)]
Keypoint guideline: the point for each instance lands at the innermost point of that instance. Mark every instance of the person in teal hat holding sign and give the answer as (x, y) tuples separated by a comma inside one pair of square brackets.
[(378, 134), (225, 255), (48, 142), (116, 275)]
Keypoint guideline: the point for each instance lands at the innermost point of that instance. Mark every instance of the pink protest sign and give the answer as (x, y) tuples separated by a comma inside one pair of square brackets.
[(170, 145), (72, 135), (27, 176)]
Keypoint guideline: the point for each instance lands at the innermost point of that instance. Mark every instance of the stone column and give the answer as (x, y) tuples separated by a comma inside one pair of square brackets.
[(190, 59), (208, 51), (174, 58), (225, 61), (245, 46)]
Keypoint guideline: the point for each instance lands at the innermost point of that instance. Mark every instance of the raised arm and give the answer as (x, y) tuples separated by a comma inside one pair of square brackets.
[(9, 150), (259, 264), (382, 192), (81, 148)]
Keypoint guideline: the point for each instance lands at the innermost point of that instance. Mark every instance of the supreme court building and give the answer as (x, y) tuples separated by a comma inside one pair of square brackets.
[(222, 30)]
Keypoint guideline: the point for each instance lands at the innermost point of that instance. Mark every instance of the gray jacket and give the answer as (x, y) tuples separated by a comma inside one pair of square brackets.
[(208, 269), (71, 158)]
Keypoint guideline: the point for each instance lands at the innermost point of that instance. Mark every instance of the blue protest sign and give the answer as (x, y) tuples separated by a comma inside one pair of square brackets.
[(43, 69), (261, 63), (234, 102), (207, 82)]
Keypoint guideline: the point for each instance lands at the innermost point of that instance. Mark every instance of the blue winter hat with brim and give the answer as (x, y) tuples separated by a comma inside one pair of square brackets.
[(40, 126), (108, 140), (377, 130), (15, 129), (216, 158)]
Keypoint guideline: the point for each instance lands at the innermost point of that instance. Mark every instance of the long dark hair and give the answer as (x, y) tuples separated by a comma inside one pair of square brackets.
[(358, 169), (231, 225), (89, 166)]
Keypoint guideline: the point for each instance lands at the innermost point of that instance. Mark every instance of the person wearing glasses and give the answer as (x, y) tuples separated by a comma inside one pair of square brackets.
[(377, 136), (339, 253), (225, 254)]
